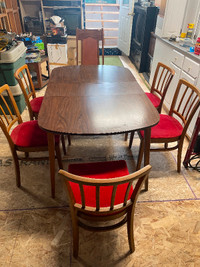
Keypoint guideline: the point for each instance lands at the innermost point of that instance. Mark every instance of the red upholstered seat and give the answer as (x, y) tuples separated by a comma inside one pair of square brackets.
[(29, 134), (168, 127), (36, 104), (155, 100), (100, 170)]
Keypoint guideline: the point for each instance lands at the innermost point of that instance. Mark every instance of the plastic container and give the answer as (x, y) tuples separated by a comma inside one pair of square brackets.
[(13, 54), (10, 61)]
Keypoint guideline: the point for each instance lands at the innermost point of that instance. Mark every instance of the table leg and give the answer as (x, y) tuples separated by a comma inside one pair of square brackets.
[(38, 70), (147, 137), (51, 146)]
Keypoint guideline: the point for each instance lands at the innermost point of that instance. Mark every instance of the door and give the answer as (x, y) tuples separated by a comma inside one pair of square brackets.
[(125, 25)]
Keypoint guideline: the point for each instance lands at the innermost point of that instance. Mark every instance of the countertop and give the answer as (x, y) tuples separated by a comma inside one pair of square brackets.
[(181, 49)]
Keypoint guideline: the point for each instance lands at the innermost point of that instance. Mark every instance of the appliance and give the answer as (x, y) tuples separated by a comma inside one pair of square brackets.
[(72, 18), (144, 23)]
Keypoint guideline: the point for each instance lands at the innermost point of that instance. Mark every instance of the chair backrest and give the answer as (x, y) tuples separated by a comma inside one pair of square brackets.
[(140, 176), (90, 40), (23, 76), (185, 103), (161, 81), (9, 112)]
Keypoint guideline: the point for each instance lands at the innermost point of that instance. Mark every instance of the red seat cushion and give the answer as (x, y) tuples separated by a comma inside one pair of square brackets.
[(168, 127), (29, 134), (100, 170), (155, 100), (36, 104)]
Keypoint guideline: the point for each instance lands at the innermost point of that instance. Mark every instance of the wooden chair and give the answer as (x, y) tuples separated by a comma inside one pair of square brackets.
[(26, 136), (90, 40), (173, 127), (102, 192), (23, 76), (161, 81)]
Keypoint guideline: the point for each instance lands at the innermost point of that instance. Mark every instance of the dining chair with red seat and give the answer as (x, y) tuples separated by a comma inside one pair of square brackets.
[(173, 126), (23, 76), (25, 136), (161, 81), (90, 41), (102, 192)]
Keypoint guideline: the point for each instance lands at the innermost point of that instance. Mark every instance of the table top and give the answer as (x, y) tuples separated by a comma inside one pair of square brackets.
[(95, 100)]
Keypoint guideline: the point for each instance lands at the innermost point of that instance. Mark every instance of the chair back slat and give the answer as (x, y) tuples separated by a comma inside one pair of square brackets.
[(97, 198), (114, 190), (26, 84), (82, 195), (127, 192)]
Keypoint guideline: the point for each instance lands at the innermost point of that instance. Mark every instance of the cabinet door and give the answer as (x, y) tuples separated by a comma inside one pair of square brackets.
[(171, 24), (171, 90), (191, 67)]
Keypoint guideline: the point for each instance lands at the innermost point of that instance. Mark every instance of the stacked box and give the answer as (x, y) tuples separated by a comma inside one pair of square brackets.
[(10, 61), (57, 54)]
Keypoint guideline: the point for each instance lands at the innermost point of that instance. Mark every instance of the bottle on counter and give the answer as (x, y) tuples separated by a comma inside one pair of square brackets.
[(190, 30)]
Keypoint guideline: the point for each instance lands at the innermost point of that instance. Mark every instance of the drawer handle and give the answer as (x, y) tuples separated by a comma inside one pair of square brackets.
[(189, 68), (175, 58)]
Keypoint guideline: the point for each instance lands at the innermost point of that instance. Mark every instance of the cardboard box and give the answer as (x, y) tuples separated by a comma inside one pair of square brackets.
[(57, 53)]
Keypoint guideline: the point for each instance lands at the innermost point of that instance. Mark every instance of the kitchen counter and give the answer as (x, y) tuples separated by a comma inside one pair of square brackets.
[(181, 49)]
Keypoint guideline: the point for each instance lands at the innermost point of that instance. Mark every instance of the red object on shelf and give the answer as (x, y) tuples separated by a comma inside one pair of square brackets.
[(197, 47)]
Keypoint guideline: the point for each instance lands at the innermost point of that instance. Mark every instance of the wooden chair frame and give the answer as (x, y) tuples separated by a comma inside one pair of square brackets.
[(161, 81), (184, 109), (125, 210), (23, 76), (8, 119), (82, 34)]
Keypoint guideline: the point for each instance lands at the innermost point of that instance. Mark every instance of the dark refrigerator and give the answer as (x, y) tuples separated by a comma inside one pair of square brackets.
[(144, 23)]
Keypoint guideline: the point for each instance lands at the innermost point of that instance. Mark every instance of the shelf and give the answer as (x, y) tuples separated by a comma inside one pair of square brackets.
[(60, 7)]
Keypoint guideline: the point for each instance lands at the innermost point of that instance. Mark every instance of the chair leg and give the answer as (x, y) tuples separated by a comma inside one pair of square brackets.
[(130, 231), (141, 152), (63, 144), (75, 230), (131, 139), (179, 153), (69, 139), (17, 169), (125, 136), (58, 156)]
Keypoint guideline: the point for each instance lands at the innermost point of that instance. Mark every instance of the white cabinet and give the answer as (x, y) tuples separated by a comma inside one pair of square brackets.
[(191, 67), (172, 21), (177, 15)]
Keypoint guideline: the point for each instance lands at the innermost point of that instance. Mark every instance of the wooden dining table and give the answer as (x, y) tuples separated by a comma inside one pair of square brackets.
[(95, 100)]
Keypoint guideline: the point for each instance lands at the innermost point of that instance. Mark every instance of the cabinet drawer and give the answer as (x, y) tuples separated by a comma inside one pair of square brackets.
[(177, 58), (187, 77), (191, 67)]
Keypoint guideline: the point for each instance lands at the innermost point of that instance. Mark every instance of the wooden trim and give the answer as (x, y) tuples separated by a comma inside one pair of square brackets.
[(102, 5)]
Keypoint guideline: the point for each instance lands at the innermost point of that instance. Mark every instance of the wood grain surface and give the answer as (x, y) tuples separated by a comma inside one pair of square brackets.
[(97, 100)]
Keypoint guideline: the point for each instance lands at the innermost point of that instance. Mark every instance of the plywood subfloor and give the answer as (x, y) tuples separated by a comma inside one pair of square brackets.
[(35, 230)]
